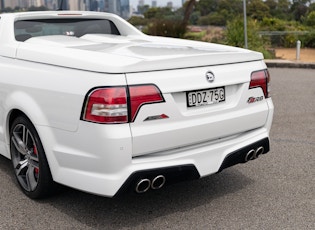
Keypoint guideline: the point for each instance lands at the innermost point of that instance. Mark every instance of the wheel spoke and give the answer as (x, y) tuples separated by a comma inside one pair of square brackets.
[(34, 158), (25, 133), (31, 181), (34, 163), (21, 168), (19, 144)]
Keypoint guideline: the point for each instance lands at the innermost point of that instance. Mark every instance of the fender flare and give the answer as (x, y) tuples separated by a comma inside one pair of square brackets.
[(24, 103)]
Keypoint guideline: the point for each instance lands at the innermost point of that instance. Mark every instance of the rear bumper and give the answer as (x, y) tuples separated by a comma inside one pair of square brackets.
[(97, 159), (243, 155), (180, 173), (108, 174)]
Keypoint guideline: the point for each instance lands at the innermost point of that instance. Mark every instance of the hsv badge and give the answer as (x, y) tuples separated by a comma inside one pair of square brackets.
[(210, 76)]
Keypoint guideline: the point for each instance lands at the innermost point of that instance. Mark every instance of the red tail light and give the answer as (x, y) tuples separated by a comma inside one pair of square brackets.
[(261, 79), (107, 105), (143, 94), (113, 105)]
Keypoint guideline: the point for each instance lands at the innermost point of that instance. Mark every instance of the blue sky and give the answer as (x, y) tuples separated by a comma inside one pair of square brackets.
[(134, 3)]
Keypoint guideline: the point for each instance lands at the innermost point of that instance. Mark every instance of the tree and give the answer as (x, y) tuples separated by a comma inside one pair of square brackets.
[(216, 18), (310, 19), (273, 5), (282, 11), (311, 7), (207, 6), (143, 9), (35, 8), (7, 10), (138, 21), (155, 12), (299, 9), (235, 35), (189, 7), (257, 9), (233, 7), (284, 4)]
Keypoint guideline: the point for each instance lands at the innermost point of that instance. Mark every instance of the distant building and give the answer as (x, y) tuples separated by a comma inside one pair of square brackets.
[(2, 4), (36, 3), (169, 5), (59, 4), (119, 7), (10, 3), (141, 3), (75, 5), (24, 3), (154, 3)]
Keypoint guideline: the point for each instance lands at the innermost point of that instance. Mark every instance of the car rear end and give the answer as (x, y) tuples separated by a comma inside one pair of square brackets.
[(154, 111), (186, 123)]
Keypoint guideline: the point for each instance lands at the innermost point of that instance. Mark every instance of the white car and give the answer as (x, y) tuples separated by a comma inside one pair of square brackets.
[(90, 102)]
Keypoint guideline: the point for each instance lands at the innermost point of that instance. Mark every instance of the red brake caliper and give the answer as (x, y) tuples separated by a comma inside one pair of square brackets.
[(36, 170)]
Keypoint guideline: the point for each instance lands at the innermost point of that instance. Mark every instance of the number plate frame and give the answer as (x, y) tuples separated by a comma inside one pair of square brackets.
[(197, 98)]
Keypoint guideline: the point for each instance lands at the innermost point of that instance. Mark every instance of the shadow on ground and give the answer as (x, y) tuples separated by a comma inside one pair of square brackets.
[(131, 210)]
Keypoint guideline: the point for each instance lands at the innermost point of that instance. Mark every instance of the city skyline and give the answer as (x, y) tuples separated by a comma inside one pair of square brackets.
[(176, 3), (119, 7), (53, 4)]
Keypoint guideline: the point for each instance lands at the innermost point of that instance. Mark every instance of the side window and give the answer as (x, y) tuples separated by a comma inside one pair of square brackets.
[(26, 29)]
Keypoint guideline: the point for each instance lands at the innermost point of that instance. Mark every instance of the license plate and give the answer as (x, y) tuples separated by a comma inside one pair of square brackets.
[(205, 97)]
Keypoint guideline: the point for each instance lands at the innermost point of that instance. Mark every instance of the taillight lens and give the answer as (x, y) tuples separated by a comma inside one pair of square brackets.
[(107, 105), (143, 94), (261, 79), (113, 105)]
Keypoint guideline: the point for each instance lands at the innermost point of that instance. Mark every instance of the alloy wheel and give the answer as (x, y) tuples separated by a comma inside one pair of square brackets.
[(25, 157)]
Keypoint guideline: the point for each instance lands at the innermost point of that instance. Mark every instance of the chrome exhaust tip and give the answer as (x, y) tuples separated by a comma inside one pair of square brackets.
[(158, 182), (251, 155), (143, 185), (260, 151), (254, 154)]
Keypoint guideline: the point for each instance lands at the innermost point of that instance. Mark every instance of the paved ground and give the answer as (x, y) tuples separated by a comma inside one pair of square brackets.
[(274, 192)]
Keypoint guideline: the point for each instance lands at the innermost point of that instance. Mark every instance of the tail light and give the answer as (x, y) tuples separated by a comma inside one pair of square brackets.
[(107, 105), (119, 104), (141, 95), (261, 79)]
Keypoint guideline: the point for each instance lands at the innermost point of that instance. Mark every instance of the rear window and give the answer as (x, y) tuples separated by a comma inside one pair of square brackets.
[(71, 27)]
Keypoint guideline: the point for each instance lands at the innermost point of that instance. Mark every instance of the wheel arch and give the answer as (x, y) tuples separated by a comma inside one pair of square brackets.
[(29, 157), (22, 104), (12, 115)]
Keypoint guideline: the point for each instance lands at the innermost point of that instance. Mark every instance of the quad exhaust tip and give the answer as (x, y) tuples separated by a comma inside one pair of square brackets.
[(254, 153), (158, 182), (145, 184)]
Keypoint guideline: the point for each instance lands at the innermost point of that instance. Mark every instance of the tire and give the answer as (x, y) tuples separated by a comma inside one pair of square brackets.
[(29, 160)]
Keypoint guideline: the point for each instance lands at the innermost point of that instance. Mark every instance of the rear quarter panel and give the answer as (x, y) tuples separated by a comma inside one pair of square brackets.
[(49, 95)]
